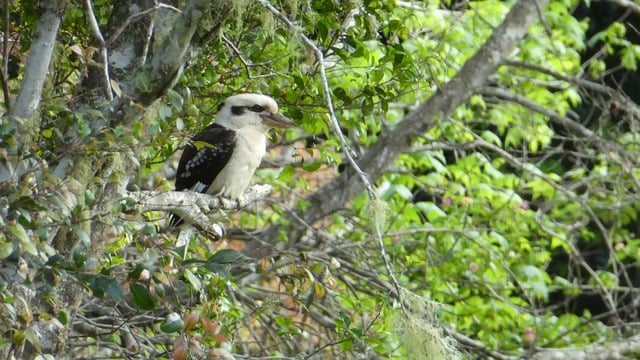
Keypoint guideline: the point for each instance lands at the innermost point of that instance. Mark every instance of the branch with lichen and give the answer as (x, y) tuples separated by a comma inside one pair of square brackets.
[(193, 206)]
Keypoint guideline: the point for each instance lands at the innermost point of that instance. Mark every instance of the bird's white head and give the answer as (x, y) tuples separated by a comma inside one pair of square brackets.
[(251, 110)]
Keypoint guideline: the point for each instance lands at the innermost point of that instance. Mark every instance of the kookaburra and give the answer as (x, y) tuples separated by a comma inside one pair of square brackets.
[(222, 158)]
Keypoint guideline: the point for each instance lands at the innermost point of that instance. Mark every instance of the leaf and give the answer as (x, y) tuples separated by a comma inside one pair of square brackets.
[(6, 249), (401, 190), (175, 99), (172, 323), (180, 124), (319, 289), (103, 286), (491, 137), (312, 167), (220, 269), (17, 230), (164, 112), (193, 280), (341, 94), (431, 210), (142, 297), (225, 256), (199, 145)]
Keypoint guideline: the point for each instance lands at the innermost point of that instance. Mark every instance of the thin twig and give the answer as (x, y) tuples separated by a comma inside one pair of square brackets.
[(135, 17), (5, 57), (97, 34), (248, 64)]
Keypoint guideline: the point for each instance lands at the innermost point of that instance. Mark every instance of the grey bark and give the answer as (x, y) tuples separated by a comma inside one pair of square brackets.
[(37, 67)]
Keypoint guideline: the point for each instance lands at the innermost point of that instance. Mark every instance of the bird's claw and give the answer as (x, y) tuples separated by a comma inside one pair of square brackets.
[(227, 204)]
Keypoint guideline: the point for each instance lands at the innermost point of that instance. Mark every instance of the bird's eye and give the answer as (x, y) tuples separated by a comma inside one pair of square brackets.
[(257, 108)]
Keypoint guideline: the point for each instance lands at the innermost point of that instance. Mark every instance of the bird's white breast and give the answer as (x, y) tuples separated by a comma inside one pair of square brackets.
[(247, 155)]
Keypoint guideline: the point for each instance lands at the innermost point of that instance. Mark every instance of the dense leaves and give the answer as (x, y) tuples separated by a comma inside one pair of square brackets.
[(507, 229)]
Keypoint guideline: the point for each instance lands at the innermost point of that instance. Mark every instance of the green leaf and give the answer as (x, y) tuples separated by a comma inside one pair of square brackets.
[(175, 99), (164, 112), (341, 94), (193, 280), (142, 297), (401, 190), (312, 166), (225, 256), (172, 323), (431, 210), (27, 245), (103, 286), (6, 249), (287, 173), (491, 137)]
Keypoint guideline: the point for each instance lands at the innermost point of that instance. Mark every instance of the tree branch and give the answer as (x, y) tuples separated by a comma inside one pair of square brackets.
[(613, 351), (571, 125), (97, 34), (39, 59), (6, 4), (633, 6), (194, 206)]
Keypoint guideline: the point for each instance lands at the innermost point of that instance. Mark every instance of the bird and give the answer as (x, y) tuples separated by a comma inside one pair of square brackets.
[(222, 158)]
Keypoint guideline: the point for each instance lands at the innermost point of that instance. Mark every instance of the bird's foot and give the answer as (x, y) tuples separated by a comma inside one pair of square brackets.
[(229, 204)]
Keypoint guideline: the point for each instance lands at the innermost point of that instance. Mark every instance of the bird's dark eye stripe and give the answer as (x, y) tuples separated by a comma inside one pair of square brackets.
[(237, 110), (257, 108)]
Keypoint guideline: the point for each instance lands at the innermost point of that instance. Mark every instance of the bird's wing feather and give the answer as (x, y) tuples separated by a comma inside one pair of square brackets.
[(204, 157)]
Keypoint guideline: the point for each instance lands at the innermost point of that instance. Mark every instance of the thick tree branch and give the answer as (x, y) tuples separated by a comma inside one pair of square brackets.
[(381, 155), (171, 51), (192, 205), (6, 11), (167, 63), (616, 350), (39, 59)]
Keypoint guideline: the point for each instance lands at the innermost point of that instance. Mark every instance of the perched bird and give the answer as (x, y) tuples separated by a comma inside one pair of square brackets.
[(222, 158)]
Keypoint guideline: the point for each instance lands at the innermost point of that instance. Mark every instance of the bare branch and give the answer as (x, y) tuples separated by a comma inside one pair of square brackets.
[(38, 62), (5, 54), (575, 127), (136, 16), (95, 30), (616, 350), (192, 205), (628, 4)]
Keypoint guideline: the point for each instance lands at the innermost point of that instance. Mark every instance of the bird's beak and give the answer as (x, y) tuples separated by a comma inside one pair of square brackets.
[(277, 120)]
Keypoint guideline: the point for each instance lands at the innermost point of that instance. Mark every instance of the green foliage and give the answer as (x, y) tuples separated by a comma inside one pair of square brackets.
[(486, 221)]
